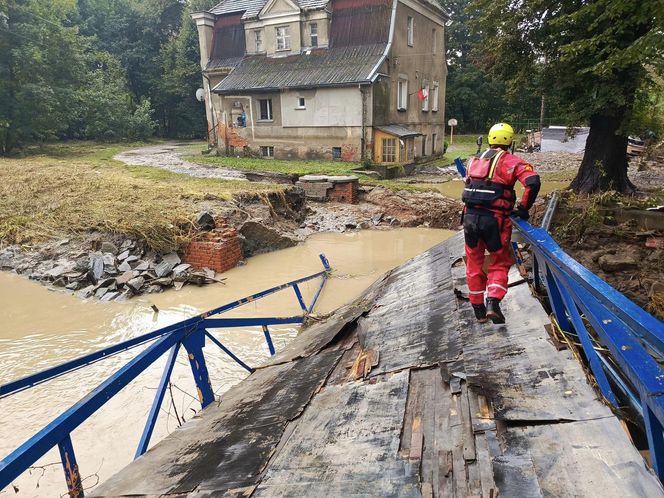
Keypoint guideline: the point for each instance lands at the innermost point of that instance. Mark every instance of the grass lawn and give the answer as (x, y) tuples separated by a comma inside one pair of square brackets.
[(71, 187), (296, 166)]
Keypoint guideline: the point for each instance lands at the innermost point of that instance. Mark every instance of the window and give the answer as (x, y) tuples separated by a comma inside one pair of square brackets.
[(389, 150), (267, 151), (402, 95), (336, 152), (424, 145), (259, 40), (266, 109), (410, 31), (434, 41), (313, 28), (301, 103), (283, 38), (434, 97), (433, 144), (425, 90)]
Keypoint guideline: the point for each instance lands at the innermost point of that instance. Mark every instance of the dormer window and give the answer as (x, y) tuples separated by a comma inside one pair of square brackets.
[(283, 38), (259, 40), (313, 28)]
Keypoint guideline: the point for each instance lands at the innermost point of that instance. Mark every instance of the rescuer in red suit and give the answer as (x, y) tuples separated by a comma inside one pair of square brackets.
[(489, 198)]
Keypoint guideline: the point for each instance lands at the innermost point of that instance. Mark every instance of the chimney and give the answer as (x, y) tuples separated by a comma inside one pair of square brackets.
[(205, 25)]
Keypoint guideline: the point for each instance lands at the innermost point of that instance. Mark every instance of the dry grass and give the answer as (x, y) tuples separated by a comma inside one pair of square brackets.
[(70, 189)]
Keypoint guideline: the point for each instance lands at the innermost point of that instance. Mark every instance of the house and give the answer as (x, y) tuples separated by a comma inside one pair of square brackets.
[(328, 79)]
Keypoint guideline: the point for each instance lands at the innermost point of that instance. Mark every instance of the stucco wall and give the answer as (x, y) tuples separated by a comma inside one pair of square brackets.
[(324, 107)]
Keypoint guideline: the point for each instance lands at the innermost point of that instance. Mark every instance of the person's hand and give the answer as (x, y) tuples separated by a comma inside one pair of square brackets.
[(521, 212)]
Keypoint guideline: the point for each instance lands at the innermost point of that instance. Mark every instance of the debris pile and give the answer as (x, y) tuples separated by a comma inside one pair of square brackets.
[(109, 273)]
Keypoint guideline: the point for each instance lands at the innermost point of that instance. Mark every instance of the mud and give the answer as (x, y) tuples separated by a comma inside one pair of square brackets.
[(629, 257), (168, 156)]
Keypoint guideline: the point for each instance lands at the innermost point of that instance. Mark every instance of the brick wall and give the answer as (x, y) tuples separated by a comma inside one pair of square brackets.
[(344, 192), (218, 250)]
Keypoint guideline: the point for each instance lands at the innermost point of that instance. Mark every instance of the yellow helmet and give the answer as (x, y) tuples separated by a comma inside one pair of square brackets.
[(501, 134)]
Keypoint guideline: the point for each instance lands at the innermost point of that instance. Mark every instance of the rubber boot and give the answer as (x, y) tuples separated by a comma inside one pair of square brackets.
[(480, 312), (493, 312)]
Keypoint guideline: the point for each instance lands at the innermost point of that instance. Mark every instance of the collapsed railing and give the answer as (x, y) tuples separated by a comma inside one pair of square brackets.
[(190, 333), (626, 346)]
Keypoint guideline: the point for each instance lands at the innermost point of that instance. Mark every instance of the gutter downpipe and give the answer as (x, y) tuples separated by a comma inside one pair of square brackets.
[(372, 76)]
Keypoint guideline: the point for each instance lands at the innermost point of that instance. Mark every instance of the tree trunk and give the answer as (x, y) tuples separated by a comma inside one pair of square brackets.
[(604, 165)]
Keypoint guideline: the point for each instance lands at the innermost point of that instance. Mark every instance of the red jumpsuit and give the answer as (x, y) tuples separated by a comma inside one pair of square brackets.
[(487, 224)]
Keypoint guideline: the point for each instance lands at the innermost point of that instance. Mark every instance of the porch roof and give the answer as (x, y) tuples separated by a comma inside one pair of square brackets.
[(398, 130)]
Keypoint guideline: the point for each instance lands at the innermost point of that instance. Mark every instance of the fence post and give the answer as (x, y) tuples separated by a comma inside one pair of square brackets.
[(194, 343), (72, 475)]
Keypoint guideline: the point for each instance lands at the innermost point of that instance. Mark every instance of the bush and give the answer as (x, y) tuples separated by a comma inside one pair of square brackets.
[(445, 146), (141, 125)]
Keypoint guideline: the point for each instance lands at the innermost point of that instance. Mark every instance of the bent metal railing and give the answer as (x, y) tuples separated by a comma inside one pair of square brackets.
[(190, 333), (626, 347)]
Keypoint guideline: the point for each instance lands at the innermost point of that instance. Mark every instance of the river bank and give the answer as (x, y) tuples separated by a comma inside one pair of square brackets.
[(77, 219)]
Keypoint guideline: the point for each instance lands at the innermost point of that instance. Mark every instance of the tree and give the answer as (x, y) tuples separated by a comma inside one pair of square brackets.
[(42, 63), (476, 98), (591, 55)]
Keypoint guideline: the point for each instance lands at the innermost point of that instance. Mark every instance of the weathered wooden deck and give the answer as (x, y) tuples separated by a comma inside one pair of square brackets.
[(403, 393)]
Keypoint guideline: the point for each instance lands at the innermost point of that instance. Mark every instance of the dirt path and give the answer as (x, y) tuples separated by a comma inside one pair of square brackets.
[(168, 156)]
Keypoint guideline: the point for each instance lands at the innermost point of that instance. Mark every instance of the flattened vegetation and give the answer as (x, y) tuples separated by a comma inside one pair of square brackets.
[(67, 189)]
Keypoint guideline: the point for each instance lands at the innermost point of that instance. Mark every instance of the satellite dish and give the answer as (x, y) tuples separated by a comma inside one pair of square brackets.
[(452, 122), (200, 95)]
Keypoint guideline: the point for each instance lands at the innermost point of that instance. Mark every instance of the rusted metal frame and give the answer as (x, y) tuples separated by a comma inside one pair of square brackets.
[(156, 404), (69, 465), (194, 344), (34, 448), (229, 352)]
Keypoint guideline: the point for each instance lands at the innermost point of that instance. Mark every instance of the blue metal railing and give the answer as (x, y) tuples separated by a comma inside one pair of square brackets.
[(190, 334), (633, 338)]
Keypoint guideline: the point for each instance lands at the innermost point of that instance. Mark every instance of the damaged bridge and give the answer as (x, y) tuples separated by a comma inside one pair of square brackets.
[(404, 393)]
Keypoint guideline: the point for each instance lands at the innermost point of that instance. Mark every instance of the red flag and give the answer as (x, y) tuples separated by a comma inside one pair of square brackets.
[(422, 94)]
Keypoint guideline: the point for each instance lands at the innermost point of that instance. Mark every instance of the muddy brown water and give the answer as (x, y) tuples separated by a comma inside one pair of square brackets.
[(41, 328)]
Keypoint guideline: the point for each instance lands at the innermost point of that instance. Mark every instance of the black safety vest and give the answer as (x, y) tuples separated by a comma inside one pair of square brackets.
[(480, 189)]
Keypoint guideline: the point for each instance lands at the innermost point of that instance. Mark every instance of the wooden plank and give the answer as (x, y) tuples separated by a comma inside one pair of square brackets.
[(485, 466), (481, 412), (416, 439), (467, 425)]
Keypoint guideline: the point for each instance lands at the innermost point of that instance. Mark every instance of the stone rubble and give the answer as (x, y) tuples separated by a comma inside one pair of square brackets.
[(108, 273)]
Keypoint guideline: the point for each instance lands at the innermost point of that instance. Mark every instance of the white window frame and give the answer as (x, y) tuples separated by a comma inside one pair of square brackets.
[(313, 32), (425, 102), (411, 28), (434, 41), (268, 108), (301, 103), (282, 34), (434, 100), (267, 151), (389, 144), (258, 40), (434, 137), (402, 94)]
